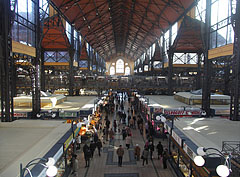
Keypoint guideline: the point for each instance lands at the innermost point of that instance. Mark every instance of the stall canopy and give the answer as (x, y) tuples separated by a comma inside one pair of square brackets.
[(122, 27), (189, 37), (55, 37)]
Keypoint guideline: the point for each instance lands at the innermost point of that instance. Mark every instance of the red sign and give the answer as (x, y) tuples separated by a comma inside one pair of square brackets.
[(182, 112), (17, 114)]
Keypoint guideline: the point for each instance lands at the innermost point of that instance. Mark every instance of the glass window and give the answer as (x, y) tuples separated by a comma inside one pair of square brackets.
[(221, 36), (22, 8), (127, 70), (15, 35), (120, 66), (112, 70), (23, 34), (230, 35), (31, 11)]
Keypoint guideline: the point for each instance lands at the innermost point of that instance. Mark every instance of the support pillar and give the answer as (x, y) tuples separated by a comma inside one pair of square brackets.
[(43, 78), (36, 103), (6, 63), (206, 73), (199, 72), (71, 73), (234, 112), (170, 72)]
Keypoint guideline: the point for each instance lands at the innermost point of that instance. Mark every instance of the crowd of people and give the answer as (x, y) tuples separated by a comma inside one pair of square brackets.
[(126, 120)]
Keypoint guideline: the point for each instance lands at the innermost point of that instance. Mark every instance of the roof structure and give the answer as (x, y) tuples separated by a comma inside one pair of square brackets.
[(84, 54), (55, 37), (126, 27), (157, 54), (189, 37)]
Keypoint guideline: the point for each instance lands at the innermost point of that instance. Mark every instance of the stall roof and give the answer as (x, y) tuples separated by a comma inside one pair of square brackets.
[(122, 27), (55, 37), (189, 37)]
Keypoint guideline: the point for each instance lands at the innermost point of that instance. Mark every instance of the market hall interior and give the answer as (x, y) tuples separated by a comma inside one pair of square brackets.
[(162, 71)]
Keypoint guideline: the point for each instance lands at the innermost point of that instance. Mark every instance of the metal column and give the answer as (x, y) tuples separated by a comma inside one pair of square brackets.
[(170, 64), (43, 82), (36, 104), (206, 73), (199, 72), (234, 112), (6, 62), (71, 55)]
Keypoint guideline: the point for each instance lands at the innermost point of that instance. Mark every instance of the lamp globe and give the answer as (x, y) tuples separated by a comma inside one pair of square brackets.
[(201, 151), (51, 171), (223, 170), (199, 161)]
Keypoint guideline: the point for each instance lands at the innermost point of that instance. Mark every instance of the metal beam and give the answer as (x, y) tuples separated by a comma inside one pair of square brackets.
[(206, 73), (6, 62)]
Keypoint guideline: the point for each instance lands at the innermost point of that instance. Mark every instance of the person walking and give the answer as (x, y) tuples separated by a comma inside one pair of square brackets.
[(99, 146), (160, 149), (145, 154), (151, 148), (165, 158), (137, 151), (120, 153), (128, 141), (92, 148), (87, 154), (111, 135)]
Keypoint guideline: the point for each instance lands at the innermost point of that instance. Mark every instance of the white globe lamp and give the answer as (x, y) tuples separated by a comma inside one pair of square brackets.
[(223, 170), (199, 161), (51, 171), (50, 162), (201, 151)]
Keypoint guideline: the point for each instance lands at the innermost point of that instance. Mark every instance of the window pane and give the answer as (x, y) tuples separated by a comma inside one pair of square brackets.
[(15, 31), (22, 8), (120, 66), (31, 11), (22, 34), (230, 37), (112, 70), (221, 36)]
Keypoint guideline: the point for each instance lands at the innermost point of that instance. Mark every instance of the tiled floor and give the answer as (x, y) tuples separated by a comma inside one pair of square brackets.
[(106, 164)]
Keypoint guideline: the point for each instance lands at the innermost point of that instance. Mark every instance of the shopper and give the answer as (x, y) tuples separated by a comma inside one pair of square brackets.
[(160, 149), (165, 158), (92, 148), (137, 151), (120, 153), (151, 148), (99, 146), (128, 141), (87, 154), (145, 154)]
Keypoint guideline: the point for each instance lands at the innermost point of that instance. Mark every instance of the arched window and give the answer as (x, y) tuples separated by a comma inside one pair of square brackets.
[(120, 66), (112, 70), (127, 70)]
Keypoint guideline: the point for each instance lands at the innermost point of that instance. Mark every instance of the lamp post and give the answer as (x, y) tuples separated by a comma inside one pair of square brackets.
[(222, 170), (46, 163)]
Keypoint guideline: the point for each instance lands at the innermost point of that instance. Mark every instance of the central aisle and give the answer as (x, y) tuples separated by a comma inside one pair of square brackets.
[(106, 165)]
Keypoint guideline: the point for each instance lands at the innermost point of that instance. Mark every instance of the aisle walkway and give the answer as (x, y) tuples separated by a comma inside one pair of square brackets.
[(106, 165)]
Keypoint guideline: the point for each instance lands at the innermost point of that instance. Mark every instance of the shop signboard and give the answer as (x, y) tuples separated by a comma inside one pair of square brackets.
[(182, 112), (58, 154), (176, 138), (20, 114), (189, 151), (68, 142), (67, 114), (76, 132)]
